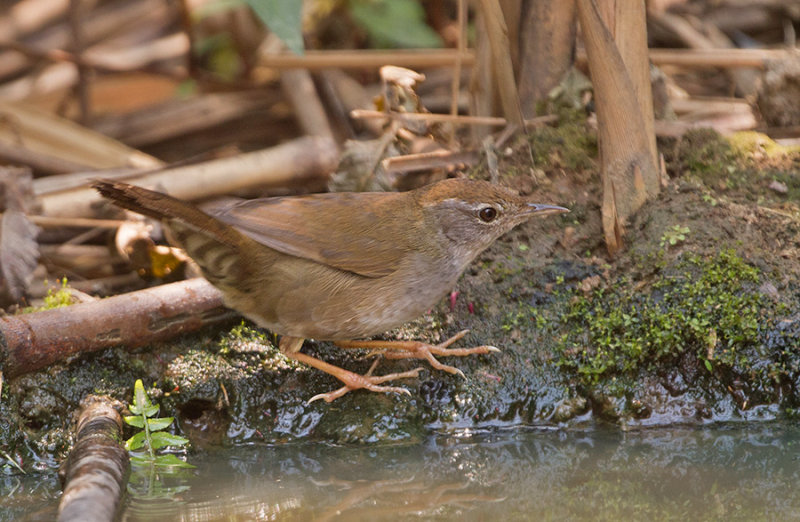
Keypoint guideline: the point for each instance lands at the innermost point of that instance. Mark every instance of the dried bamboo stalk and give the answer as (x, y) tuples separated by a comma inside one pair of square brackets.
[(448, 118), (299, 89), (41, 133), (724, 58), (306, 157), (365, 59)]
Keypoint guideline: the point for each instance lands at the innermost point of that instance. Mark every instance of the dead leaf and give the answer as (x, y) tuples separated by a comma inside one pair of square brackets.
[(19, 250)]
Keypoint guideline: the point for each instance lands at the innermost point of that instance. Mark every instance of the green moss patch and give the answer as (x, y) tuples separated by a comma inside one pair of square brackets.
[(567, 145), (706, 307)]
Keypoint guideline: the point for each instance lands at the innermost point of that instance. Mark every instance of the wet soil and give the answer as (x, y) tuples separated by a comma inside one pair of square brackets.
[(631, 341)]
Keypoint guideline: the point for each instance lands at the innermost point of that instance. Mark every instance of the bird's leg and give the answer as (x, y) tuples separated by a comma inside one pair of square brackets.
[(290, 347), (420, 350)]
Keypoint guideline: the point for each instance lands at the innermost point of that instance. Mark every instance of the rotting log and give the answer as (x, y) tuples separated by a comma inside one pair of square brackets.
[(97, 469), (32, 341)]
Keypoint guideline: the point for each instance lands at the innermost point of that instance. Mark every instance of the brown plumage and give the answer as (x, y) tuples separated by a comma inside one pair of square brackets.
[(340, 266)]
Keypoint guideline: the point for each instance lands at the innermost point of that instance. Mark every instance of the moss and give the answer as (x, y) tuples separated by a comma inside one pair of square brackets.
[(744, 160), (54, 299), (749, 143), (567, 145), (704, 153), (702, 307)]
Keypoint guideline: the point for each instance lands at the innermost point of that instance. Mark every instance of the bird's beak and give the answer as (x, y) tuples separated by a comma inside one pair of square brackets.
[(545, 210)]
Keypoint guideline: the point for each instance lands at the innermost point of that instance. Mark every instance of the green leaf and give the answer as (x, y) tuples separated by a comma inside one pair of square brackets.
[(148, 411), (708, 365), (141, 460), (160, 439), (172, 461), (159, 423), (395, 23), (284, 18), (134, 420), (135, 442), (140, 399)]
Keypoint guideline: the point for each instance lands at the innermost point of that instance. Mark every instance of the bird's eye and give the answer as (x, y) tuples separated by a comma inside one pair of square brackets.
[(487, 214)]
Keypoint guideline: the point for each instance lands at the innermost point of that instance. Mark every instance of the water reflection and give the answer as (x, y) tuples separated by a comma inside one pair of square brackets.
[(737, 473)]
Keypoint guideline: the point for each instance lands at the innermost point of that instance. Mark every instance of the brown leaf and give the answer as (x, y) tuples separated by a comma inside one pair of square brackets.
[(19, 251)]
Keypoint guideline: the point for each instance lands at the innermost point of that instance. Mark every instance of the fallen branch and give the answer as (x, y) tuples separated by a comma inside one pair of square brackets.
[(32, 341), (97, 468)]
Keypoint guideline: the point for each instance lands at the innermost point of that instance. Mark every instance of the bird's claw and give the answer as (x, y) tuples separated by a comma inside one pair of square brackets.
[(368, 382)]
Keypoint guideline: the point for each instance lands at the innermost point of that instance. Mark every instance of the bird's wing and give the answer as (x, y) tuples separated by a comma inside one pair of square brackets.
[(349, 231)]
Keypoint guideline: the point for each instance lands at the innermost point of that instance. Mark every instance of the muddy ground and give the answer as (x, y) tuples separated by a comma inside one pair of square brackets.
[(696, 321)]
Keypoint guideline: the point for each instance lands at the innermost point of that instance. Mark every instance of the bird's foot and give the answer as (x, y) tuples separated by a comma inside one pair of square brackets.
[(354, 381), (420, 350)]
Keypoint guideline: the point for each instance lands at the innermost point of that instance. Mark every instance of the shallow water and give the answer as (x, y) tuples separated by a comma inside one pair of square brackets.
[(731, 473)]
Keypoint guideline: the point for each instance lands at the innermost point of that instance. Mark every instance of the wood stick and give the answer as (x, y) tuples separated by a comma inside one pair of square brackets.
[(51, 222), (448, 118), (724, 123), (710, 104), (174, 118), (365, 59), (36, 340), (102, 57), (455, 86), (352, 95), (73, 145), (430, 160), (710, 38), (725, 58), (73, 180), (97, 468), (306, 157), (99, 286), (107, 20), (26, 17), (78, 42), (446, 57), (38, 161), (506, 85), (299, 89)]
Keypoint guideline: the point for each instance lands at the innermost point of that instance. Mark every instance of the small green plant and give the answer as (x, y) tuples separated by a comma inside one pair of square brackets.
[(674, 235), (54, 298), (151, 437), (711, 200)]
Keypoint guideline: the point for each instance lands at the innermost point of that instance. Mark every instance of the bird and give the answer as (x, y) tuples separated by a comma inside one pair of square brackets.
[(341, 266)]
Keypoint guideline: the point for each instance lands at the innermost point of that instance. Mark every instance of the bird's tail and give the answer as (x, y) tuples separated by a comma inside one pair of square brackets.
[(166, 208), (217, 248)]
